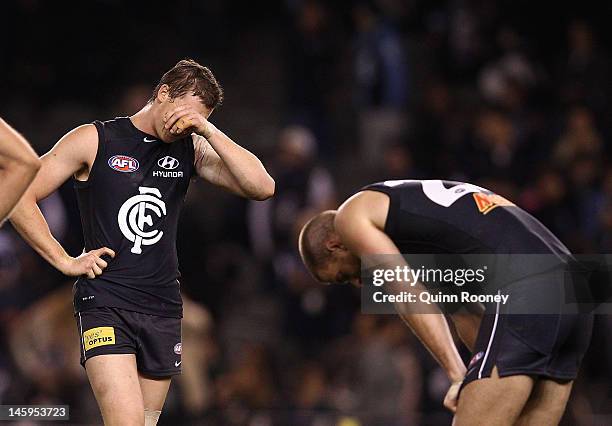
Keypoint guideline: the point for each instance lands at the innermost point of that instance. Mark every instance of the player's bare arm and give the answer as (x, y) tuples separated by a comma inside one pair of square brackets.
[(359, 222), (74, 154), (18, 167), (220, 160)]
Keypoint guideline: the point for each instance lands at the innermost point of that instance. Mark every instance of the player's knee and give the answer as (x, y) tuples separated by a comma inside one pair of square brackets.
[(151, 417)]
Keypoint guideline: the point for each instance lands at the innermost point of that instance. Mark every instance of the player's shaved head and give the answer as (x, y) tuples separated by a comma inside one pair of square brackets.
[(313, 239)]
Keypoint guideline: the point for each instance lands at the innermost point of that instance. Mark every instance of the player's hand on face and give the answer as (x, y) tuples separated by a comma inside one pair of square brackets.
[(88, 264), (452, 396), (184, 120)]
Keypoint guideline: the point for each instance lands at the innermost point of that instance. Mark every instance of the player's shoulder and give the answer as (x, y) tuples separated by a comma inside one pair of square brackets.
[(87, 130), (80, 142), (81, 135), (366, 204)]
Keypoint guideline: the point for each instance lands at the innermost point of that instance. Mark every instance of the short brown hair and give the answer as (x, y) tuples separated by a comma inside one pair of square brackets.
[(312, 241), (189, 76)]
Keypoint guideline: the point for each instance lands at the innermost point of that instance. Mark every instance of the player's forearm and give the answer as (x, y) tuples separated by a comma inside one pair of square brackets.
[(15, 147), (249, 172), (430, 326), (29, 221), (19, 167), (432, 330), (14, 180)]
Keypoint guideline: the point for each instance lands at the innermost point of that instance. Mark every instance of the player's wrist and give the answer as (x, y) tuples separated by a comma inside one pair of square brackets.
[(62, 262), (456, 375), (208, 130)]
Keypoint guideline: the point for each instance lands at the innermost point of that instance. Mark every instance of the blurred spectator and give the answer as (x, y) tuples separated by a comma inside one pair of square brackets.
[(464, 38), (311, 401), (585, 69), (548, 199), (249, 383), (199, 350), (495, 147), (43, 340), (380, 60), (302, 185), (312, 57), (382, 77), (580, 138), (507, 80), (398, 163)]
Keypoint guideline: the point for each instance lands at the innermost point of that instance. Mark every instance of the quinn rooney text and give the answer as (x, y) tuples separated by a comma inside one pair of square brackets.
[(429, 298)]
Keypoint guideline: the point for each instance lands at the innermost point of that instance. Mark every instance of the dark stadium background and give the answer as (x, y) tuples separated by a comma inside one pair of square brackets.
[(512, 95)]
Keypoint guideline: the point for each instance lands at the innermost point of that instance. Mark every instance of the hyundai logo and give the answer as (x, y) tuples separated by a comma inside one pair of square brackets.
[(168, 163)]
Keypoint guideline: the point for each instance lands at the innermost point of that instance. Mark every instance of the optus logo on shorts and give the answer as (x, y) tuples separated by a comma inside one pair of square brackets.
[(178, 348), (98, 336), (123, 163)]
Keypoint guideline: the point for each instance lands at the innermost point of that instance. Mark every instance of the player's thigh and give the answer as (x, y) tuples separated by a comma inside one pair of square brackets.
[(546, 403), (493, 400), (114, 380), (154, 391)]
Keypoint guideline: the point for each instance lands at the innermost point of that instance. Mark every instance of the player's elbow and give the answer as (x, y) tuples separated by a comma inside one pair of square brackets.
[(265, 190), (21, 170), (27, 163), (31, 165)]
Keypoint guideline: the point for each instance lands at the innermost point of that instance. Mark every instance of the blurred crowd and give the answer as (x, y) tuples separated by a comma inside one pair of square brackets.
[(513, 96)]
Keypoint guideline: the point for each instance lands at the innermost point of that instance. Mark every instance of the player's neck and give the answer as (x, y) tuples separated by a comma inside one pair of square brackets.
[(143, 120)]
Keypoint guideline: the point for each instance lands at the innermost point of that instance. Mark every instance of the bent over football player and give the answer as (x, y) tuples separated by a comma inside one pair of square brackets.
[(523, 366)]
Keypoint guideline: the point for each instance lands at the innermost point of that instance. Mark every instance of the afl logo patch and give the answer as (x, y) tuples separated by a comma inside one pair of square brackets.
[(168, 163), (178, 348), (123, 163)]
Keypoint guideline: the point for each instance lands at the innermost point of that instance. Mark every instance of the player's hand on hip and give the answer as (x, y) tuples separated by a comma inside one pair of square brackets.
[(88, 264), (452, 396), (184, 120)]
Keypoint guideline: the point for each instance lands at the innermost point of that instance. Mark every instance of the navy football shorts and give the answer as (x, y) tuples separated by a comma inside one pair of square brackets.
[(546, 345), (155, 340)]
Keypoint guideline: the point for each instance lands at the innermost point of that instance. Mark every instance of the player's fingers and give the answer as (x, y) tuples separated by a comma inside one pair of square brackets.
[(448, 404), (450, 400), (96, 269), (176, 114), (90, 274), (101, 263), (168, 114), (102, 251), (171, 119), (178, 124), (183, 123)]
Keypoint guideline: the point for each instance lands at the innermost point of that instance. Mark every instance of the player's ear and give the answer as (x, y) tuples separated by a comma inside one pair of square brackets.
[(163, 94), (334, 244)]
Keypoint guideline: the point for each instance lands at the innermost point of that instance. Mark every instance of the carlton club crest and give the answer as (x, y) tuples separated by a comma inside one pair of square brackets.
[(133, 217)]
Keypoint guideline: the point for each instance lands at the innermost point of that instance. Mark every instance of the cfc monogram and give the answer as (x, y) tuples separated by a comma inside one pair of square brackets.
[(133, 217)]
